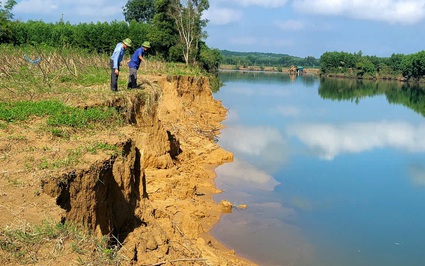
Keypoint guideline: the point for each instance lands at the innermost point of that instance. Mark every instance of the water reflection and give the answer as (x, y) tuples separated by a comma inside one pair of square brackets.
[(333, 171), (409, 95), (264, 146), (266, 77), (328, 140)]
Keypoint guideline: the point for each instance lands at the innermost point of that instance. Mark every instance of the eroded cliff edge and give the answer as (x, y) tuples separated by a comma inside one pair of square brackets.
[(154, 197)]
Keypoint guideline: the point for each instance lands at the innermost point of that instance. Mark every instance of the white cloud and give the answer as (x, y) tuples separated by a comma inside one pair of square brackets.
[(263, 146), (245, 176), (391, 11), (222, 16), (330, 140), (252, 141)]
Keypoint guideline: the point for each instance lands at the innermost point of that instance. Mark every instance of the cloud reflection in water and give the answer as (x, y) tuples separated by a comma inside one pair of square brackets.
[(264, 147), (244, 175), (329, 140)]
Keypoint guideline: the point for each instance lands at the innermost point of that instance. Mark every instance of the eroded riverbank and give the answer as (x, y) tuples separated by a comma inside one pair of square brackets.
[(153, 197)]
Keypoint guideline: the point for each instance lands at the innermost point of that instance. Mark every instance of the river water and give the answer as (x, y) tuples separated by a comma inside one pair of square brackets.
[(332, 171)]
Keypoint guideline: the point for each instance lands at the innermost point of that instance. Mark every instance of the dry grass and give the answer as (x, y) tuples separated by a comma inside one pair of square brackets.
[(51, 243)]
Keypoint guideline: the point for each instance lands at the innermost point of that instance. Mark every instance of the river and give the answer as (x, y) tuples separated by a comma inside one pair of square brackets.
[(332, 171)]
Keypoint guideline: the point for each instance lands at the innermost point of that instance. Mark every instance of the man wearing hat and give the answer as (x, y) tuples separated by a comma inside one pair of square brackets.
[(115, 61), (134, 64)]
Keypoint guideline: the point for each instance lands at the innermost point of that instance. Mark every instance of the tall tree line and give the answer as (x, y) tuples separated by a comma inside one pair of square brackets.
[(175, 29)]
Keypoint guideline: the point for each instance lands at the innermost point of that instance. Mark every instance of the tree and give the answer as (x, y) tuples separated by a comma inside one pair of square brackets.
[(189, 22), (209, 59), (365, 66), (413, 66), (5, 17), (139, 10), (163, 34)]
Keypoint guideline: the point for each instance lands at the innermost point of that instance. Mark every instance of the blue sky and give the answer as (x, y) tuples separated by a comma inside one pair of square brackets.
[(295, 27)]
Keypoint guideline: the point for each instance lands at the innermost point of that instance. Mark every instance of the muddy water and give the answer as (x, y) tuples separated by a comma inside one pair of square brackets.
[(332, 171)]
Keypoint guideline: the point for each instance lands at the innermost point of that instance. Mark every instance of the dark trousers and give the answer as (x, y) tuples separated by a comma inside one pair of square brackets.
[(132, 79), (114, 77)]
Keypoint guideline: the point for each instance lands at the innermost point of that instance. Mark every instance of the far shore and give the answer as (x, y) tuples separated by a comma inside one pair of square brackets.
[(314, 71)]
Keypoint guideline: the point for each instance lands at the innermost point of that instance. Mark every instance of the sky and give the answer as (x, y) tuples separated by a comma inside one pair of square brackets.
[(295, 27)]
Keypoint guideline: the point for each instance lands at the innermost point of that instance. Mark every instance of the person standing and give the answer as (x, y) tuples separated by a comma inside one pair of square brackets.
[(115, 62), (134, 64)]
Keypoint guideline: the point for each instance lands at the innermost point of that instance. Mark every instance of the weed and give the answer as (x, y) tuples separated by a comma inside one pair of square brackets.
[(22, 245), (102, 146)]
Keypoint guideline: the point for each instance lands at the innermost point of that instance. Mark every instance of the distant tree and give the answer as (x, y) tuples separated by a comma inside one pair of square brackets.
[(310, 61), (5, 17), (163, 34), (413, 66), (395, 61), (139, 10), (187, 15), (365, 66)]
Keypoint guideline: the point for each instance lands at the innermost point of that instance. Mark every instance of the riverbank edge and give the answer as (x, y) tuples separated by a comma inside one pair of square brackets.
[(172, 141)]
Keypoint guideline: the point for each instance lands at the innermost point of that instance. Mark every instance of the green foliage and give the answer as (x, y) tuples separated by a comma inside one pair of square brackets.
[(266, 59), (209, 59), (139, 10), (413, 66), (365, 66), (338, 61), (58, 114), (355, 90), (215, 83), (189, 22), (409, 66), (5, 17), (102, 146), (148, 20), (163, 34), (94, 37)]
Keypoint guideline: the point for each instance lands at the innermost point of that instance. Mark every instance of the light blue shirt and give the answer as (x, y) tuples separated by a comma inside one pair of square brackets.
[(117, 55)]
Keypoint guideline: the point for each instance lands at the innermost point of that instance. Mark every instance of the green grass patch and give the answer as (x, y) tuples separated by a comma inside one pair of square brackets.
[(58, 114), (94, 148)]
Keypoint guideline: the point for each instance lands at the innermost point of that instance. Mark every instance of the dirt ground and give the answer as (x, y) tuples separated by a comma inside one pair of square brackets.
[(155, 196)]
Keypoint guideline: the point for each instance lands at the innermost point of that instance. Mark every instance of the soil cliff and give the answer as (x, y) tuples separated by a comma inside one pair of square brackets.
[(153, 198)]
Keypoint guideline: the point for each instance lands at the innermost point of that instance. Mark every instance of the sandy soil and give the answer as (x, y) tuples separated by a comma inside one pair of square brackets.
[(155, 196)]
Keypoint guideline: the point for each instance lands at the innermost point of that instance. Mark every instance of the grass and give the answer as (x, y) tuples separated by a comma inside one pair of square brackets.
[(58, 113), (23, 245)]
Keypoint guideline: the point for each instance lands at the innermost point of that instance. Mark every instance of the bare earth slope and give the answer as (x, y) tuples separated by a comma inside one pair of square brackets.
[(153, 197)]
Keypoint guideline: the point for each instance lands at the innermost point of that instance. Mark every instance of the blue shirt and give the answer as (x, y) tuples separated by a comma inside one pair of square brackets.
[(118, 54), (135, 60)]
